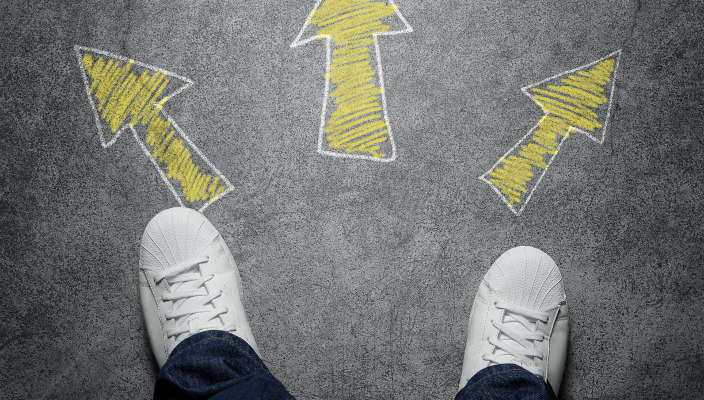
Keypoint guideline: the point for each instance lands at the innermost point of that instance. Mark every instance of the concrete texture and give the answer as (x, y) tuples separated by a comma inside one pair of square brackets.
[(358, 276)]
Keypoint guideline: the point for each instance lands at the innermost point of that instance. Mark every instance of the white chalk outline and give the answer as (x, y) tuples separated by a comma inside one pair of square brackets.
[(179, 131), (298, 42), (617, 55)]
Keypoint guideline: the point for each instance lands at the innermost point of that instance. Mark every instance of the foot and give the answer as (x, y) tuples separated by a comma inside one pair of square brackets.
[(519, 316), (188, 282)]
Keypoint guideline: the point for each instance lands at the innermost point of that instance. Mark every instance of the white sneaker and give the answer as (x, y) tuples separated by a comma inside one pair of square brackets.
[(519, 316), (188, 281)]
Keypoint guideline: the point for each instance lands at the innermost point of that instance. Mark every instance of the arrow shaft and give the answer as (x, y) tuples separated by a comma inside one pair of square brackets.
[(177, 156), (125, 97), (354, 119), (357, 121), (517, 174)]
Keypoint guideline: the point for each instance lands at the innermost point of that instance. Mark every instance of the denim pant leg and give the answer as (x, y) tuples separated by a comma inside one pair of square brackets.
[(216, 365), (505, 381)]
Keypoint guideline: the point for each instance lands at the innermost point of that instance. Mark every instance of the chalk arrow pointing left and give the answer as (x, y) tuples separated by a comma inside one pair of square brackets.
[(354, 122), (129, 95)]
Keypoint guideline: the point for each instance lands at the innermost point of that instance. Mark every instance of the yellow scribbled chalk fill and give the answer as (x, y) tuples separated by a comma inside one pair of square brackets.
[(125, 97), (357, 124), (570, 106)]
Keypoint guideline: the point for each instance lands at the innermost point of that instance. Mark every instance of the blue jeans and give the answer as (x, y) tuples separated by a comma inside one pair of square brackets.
[(219, 365)]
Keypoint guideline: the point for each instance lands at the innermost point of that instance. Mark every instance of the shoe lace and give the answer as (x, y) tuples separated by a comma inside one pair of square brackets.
[(190, 298), (514, 342)]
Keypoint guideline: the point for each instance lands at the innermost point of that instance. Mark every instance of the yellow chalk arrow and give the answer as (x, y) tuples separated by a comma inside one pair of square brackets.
[(574, 101), (355, 122), (126, 94)]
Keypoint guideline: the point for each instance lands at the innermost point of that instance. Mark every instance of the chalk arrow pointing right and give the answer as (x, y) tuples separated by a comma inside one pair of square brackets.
[(574, 101)]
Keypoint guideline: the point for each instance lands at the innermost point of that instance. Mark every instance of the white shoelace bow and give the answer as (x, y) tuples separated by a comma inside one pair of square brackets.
[(202, 305), (513, 343)]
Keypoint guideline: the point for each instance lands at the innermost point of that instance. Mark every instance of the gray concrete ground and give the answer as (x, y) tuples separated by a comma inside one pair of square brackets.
[(358, 276)]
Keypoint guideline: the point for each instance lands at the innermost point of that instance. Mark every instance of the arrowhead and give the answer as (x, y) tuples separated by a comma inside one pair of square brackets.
[(123, 92), (582, 97), (335, 18)]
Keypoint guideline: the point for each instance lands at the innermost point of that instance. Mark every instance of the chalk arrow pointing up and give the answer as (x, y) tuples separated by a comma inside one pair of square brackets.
[(354, 122), (129, 95), (574, 101)]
